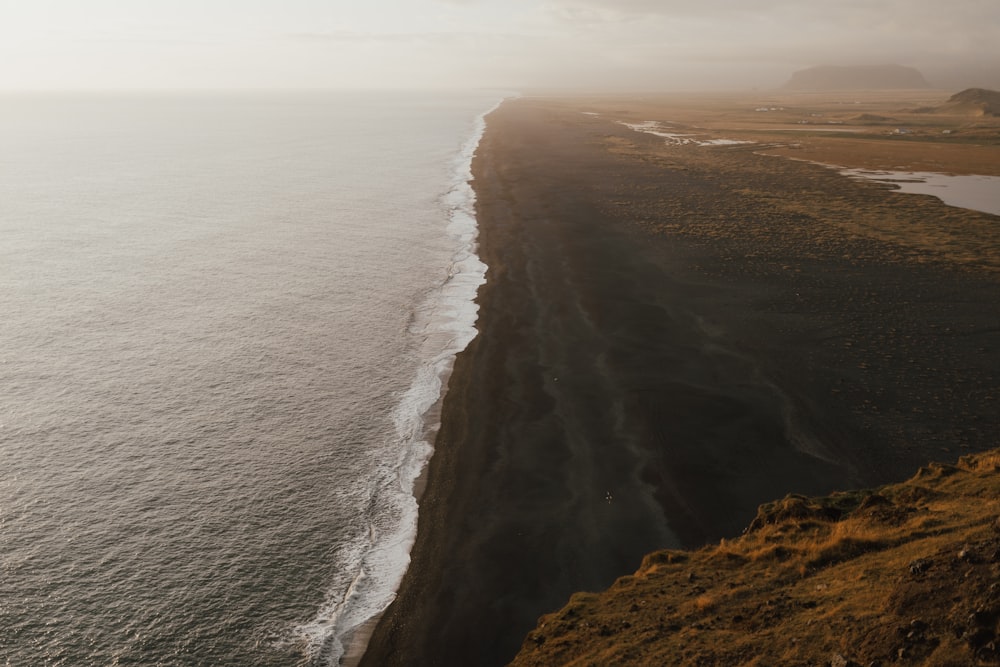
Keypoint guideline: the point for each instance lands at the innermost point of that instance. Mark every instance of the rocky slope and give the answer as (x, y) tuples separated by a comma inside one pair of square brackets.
[(972, 102), (907, 574), (866, 77)]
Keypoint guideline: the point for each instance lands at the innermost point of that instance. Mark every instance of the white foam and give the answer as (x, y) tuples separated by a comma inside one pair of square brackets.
[(444, 324)]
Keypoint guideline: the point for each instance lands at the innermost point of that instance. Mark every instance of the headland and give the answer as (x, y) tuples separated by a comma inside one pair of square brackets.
[(674, 333)]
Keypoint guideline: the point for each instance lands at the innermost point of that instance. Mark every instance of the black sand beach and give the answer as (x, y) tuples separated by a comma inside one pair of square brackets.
[(660, 351)]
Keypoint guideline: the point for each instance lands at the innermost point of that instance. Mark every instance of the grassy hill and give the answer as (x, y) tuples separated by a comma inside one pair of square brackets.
[(905, 574), (973, 102)]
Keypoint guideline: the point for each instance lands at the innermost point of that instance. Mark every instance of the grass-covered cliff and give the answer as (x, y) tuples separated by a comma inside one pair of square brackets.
[(907, 574)]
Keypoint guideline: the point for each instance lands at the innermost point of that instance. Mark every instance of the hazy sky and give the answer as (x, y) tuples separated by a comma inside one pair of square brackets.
[(56, 44)]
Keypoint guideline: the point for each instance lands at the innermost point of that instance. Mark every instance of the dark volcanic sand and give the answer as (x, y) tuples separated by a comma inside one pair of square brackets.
[(690, 374)]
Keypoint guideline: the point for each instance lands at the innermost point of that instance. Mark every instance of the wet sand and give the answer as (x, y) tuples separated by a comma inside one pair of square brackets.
[(662, 349)]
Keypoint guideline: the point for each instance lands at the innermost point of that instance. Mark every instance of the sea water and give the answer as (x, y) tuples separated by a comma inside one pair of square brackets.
[(224, 323)]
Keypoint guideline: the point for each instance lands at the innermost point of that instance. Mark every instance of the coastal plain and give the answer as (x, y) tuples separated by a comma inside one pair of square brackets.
[(673, 333)]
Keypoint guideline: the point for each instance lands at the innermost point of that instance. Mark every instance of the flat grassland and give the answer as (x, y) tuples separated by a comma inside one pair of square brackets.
[(872, 130), (893, 131)]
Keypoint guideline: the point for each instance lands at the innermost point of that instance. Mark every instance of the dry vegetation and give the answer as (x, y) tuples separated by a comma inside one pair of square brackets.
[(874, 130), (774, 181), (825, 207), (907, 574)]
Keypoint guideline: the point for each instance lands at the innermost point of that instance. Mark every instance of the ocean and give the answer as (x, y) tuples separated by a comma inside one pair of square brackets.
[(226, 320)]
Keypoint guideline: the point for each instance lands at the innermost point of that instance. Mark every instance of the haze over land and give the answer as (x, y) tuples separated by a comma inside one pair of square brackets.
[(592, 44), (868, 77)]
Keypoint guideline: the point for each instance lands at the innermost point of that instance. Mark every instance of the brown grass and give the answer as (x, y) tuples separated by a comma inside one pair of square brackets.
[(805, 209), (705, 603), (844, 540), (801, 128), (900, 572)]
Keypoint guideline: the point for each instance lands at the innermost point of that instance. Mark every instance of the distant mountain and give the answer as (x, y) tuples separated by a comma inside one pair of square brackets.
[(972, 102), (873, 118), (859, 77)]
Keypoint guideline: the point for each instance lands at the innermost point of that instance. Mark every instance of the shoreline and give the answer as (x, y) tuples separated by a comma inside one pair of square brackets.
[(446, 320), (655, 333)]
